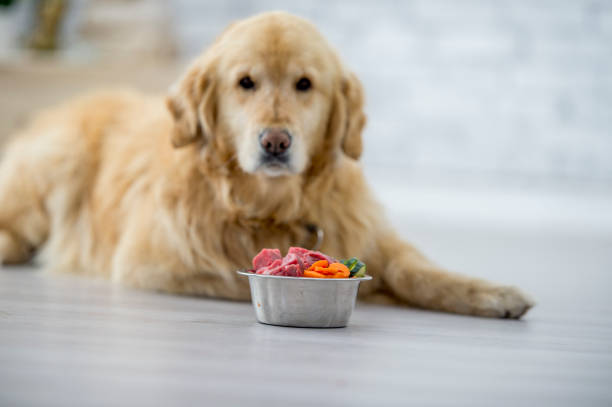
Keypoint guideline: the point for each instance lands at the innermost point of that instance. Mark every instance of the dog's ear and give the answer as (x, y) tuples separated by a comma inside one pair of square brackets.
[(192, 104), (351, 93)]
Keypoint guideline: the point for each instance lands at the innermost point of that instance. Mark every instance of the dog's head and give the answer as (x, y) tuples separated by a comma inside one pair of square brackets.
[(271, 94)]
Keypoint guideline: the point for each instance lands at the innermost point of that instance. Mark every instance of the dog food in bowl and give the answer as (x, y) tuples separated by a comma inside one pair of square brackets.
[(300, 262), (305, 288)]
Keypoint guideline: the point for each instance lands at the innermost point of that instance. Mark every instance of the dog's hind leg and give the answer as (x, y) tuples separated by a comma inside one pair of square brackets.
[(24, 223)]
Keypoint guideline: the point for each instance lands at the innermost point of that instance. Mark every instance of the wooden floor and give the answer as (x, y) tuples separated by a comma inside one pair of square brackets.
[(70, 340)]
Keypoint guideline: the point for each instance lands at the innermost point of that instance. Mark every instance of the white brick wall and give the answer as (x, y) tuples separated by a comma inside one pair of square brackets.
[(519, 89)]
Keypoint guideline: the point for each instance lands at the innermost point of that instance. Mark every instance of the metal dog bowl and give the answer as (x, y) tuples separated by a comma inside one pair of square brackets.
[(302, 301)]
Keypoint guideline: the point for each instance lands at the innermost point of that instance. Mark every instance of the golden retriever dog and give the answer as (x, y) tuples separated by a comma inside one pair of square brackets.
[(257, 145)]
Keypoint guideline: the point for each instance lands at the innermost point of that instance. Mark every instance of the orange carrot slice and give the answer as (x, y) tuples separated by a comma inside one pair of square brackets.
[(313, 274), (319, 263), (325, 270), (339, 267), (322, 269), (342, 274)]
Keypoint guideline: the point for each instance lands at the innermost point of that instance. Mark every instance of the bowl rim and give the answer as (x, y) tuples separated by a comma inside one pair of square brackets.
[(250, 274)]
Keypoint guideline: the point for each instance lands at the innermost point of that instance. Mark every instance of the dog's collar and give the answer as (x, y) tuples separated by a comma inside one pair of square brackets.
[(318, 232)]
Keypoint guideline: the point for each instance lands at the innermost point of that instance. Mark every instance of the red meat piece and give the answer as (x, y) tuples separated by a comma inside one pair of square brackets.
[(291, 270), (290, 265), (310, 256), (272, 269), (298, 259), (266, 257)]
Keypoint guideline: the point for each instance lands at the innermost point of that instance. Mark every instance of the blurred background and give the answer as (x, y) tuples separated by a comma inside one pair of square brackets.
[(488, 120)]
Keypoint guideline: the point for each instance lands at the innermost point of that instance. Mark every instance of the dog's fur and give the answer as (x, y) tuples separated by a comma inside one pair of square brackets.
[(171, 196)]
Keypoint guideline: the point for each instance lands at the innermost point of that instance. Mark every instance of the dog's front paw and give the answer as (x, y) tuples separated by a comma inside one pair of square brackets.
[(502, 302)]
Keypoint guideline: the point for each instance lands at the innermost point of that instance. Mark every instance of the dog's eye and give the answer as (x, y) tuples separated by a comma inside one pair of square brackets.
[(303, 84), (246, 83)]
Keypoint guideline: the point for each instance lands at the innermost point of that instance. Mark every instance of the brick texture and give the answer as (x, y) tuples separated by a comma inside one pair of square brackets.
[(482, 88)]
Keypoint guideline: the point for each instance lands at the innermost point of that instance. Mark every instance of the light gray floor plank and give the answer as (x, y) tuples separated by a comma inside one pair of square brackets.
[(71, 340)]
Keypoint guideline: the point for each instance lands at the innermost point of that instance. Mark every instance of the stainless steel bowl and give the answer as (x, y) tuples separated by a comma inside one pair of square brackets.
[(302, 301)]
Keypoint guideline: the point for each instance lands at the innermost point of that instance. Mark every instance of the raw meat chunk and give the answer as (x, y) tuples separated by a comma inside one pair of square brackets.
[(266, 257), (298, 259)]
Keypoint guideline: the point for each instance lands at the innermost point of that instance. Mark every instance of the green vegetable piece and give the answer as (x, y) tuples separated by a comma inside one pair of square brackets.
[(356, 267), (361, 272), (350, 263)]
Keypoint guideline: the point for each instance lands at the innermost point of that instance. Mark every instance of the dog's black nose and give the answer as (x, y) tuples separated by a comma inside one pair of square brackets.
[(275, 141)]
